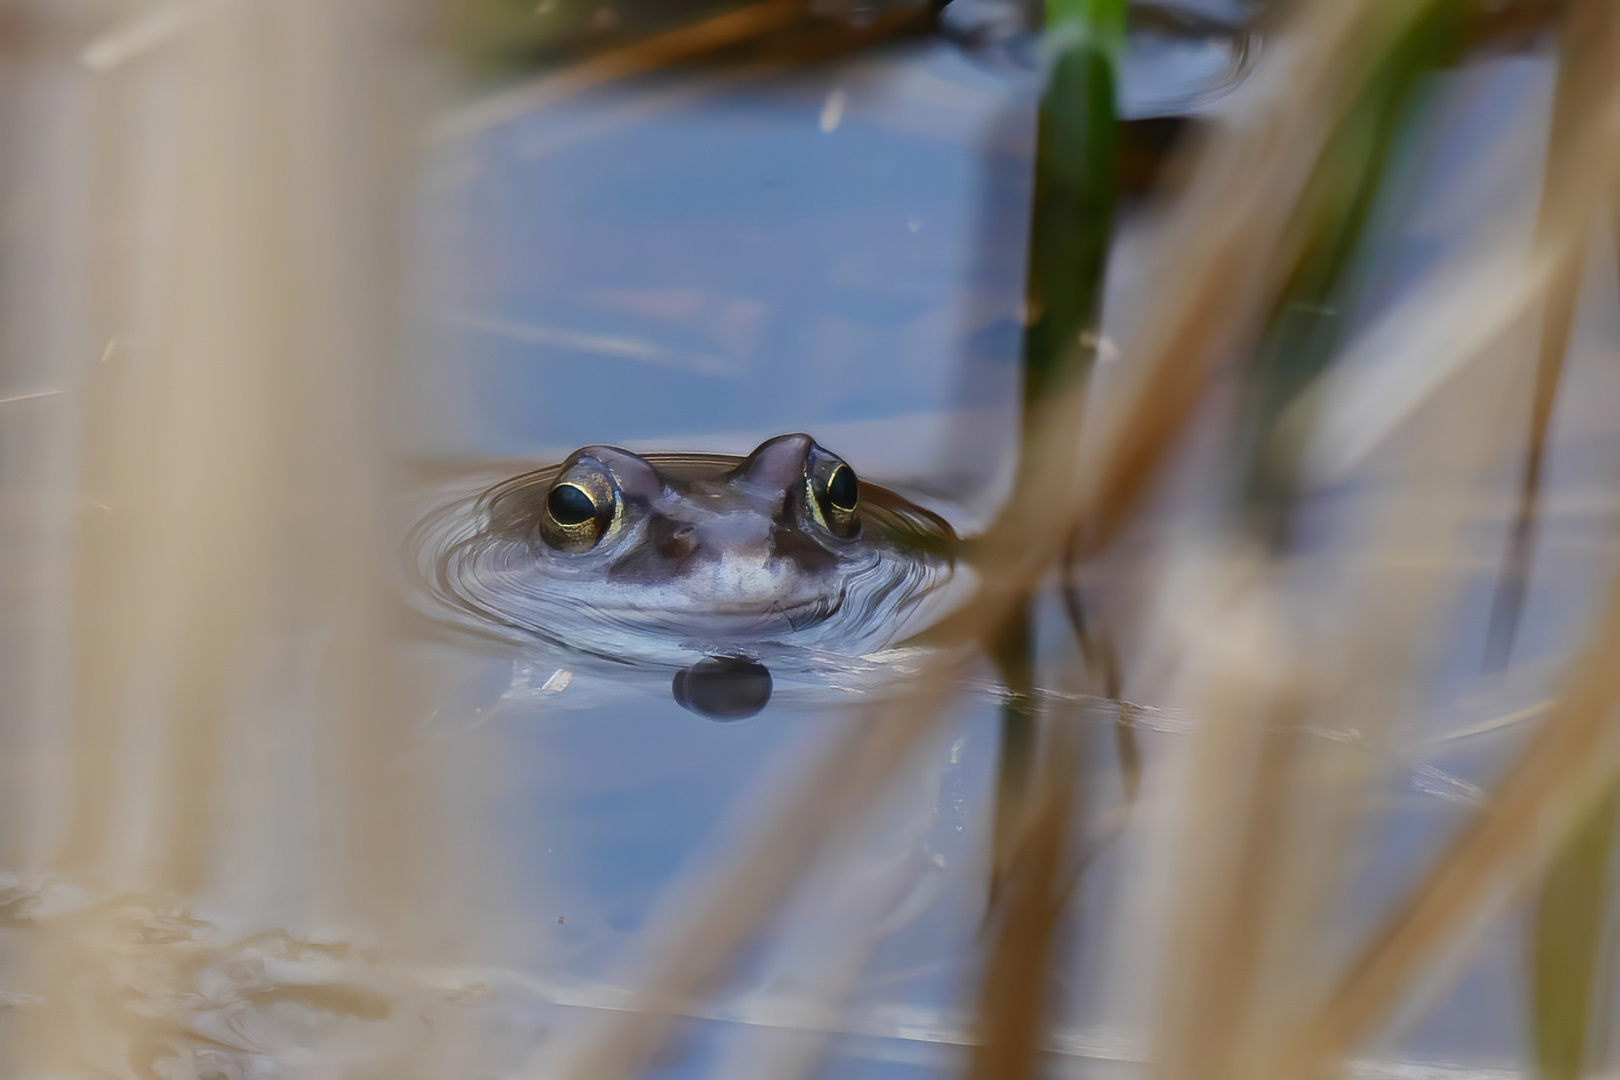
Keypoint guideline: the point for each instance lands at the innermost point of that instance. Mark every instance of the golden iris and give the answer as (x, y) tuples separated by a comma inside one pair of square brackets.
[(580, 508)]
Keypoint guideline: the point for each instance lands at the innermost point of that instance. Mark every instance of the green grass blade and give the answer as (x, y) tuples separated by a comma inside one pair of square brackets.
[(1076, 164), (1568, 943), (1306, 326)]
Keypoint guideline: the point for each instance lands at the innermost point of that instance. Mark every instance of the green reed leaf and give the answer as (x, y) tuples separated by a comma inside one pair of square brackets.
[(1568, 938), (1307, 324), (1076, 162)]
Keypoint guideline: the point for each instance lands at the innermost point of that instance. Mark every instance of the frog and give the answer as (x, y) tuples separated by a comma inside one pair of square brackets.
[(781, 560)]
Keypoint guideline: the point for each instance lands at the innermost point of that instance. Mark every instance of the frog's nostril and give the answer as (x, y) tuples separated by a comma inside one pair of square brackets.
[(679, 543)]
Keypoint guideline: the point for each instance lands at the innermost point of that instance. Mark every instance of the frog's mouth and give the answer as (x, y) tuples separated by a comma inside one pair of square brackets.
[(796, 615), (734, 618)]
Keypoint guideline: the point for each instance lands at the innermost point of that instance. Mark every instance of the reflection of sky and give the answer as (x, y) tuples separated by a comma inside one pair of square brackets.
[(700, 262), (783, 253)]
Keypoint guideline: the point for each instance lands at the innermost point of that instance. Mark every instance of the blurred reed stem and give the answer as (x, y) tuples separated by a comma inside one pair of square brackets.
[(1557, 321), (1076, 177), (1570, 932), (1572, 762), (1270, 810), (227, 236), (690, 948), (1272, 217), (672, 46), (1571, 925), (1071, 224), (1221, 257), (1030, 909), (1373, 984), (1306, 326), (1557, 782)]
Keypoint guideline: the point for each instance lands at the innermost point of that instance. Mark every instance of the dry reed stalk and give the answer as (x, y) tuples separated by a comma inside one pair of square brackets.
[(1219, 260), (1214, 1034), (1247, 989), (1274, 810), (1232, 244), (244, 172), (691, 949), (659, 51), (1234, 809), (856, 898), (1573, 759), (1215, 265), (1214, 288), (1034, 884), (1570, 765), (1557, 320)]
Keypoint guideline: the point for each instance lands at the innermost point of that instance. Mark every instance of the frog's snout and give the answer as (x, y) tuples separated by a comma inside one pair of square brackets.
[(740, 536), (679, 545)]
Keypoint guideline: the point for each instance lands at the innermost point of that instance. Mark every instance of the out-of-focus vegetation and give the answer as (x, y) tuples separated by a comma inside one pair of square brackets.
[(502, 38), (210, 522)]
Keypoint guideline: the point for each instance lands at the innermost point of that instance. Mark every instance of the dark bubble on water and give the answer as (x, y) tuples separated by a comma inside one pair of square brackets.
[(723, 687)]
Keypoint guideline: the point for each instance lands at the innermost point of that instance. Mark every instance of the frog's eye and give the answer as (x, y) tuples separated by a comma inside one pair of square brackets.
[(835, 494), (570, 504), (843, 490), (579, 508)]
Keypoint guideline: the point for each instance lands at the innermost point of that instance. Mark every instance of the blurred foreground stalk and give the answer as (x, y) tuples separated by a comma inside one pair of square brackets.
[(1580, 67), (1307, 324), (1573, 967), (1573, 760), (217, 189), (1573, 951), (1295, 714), (1071, 225), (232, 442)]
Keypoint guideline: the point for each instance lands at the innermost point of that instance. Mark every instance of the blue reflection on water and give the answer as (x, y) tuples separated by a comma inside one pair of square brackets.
[(775, 254), (717, 259)]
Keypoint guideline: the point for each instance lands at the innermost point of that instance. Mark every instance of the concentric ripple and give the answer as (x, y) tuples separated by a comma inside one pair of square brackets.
[(479, 567)]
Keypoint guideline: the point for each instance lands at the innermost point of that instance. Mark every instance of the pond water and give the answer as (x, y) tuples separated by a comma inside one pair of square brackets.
[(699, 261)]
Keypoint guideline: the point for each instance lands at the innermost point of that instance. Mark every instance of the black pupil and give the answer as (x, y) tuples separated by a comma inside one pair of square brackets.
[(842, 489), (570, 505)]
